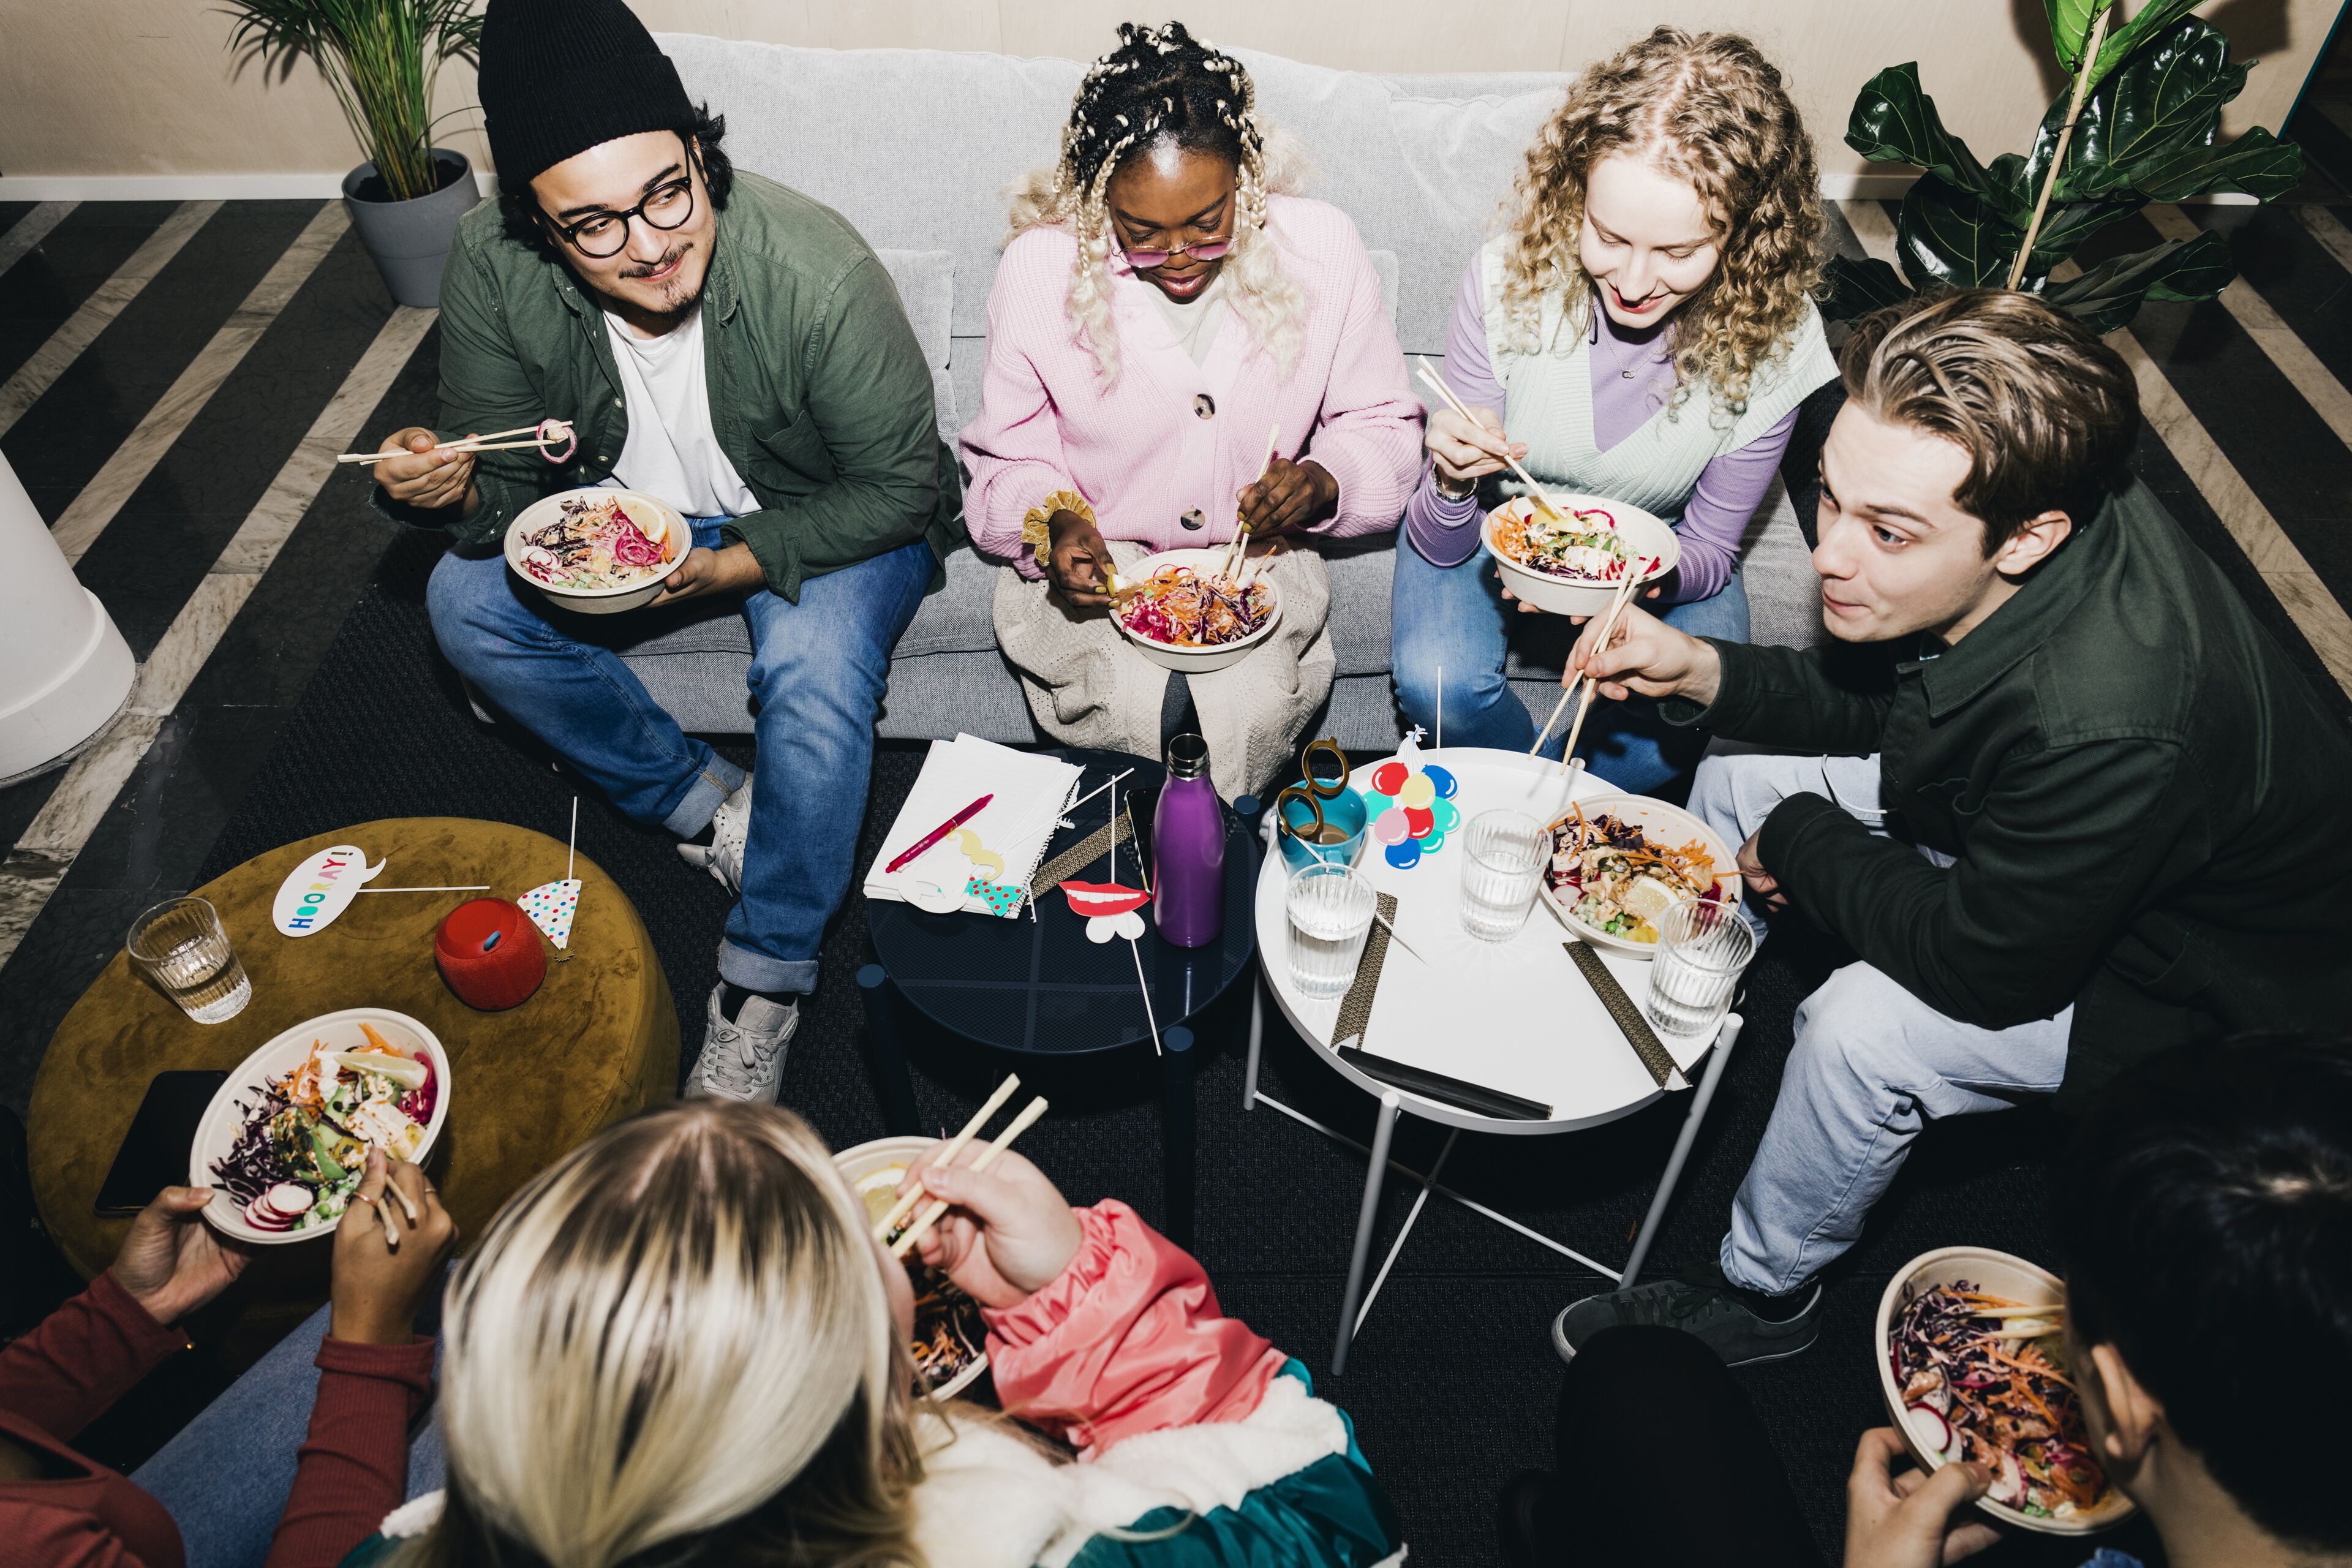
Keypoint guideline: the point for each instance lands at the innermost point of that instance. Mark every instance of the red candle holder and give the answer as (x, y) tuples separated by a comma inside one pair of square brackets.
[(489, 953)]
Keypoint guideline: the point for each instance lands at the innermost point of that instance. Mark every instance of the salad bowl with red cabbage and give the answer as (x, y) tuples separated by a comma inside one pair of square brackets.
[(285, 1139), (597, 550), (1181, 611)]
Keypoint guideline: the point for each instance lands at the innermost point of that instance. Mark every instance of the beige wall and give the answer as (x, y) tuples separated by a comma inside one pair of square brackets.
[(147, 86)]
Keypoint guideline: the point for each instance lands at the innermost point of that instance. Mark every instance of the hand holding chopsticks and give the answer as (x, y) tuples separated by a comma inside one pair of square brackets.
[(1535, 490), (547, 433), (1624, 597), (1021, 1123)]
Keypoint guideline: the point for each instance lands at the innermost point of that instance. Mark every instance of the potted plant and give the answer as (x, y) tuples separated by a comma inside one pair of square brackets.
[(380, 57), (2138, 122)]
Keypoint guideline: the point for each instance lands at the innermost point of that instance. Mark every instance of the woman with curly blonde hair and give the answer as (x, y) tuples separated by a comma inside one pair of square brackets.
[(1164, 302), (1645, 329)]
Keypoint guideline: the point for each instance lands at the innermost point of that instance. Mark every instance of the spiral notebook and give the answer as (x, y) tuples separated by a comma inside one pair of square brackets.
[(993, 854)]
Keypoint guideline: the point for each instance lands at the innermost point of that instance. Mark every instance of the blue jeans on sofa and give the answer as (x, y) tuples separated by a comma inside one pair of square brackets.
[(1454, 619), (819, 669)]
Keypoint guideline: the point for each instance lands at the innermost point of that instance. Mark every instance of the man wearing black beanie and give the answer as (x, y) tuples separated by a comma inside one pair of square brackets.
[(733, 349)]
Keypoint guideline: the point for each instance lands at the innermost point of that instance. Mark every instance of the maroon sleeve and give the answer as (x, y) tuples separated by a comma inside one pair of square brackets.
[(354, 1468), (34, 1535), (83, 1357)]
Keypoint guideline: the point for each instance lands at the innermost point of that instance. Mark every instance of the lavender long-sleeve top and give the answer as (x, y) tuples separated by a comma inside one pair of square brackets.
[(1445, 530)]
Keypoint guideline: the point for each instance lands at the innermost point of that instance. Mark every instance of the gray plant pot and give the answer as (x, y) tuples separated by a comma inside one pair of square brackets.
[(411, 240)]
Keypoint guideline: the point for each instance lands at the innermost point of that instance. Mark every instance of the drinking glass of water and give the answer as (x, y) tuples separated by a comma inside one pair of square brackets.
[(1703, 945), (1503, 859), (1331, 907), (180, 946)]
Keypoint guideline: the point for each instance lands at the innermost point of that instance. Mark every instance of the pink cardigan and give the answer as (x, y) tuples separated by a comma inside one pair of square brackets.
[(1142, 451)]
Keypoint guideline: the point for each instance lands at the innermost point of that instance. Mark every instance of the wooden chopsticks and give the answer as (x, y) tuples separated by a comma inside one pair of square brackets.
[(946, 1156), (1236, 550), (1624, 597), (478, 444), (1535, 490)]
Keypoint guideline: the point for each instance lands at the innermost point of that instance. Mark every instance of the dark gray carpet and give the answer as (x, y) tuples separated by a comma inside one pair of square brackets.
[(1453, 1381)]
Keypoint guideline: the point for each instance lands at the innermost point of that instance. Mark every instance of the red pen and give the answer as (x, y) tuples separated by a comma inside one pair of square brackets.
[(942, 831)]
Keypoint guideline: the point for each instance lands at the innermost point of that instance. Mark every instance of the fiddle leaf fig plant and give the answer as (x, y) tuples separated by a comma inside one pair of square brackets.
[(2138, 122)]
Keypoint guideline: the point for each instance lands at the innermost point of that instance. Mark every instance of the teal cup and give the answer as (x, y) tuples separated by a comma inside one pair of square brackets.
[(1312, 826)]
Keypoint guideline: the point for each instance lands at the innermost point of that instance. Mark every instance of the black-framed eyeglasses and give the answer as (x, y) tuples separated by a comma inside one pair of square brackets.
[(603, 234)]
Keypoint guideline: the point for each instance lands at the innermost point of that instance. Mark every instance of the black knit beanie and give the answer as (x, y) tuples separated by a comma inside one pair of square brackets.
[(560, 76)]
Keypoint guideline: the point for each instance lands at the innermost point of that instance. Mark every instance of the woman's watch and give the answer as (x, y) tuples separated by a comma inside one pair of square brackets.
[(1445, 486)]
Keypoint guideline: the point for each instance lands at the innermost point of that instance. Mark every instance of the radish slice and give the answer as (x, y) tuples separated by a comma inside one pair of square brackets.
[(554, 430), (1929, 1426)]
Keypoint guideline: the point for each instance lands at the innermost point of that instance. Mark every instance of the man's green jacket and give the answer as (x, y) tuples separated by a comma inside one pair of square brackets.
[(2147, 805), (819, 394)]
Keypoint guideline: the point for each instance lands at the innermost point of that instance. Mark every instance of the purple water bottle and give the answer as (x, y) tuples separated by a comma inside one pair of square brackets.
[(1187, 843)]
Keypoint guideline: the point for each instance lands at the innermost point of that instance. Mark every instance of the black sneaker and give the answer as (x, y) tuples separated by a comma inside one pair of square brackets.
[(1700, 1301)]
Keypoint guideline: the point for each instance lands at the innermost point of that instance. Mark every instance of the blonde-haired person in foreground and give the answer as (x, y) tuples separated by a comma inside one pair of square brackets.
[(1643, 330), (1165, 300), (681, 1344)]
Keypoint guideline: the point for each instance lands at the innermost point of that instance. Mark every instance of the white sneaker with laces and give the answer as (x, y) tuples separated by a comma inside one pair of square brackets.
[(730, 828), (744, 1059)]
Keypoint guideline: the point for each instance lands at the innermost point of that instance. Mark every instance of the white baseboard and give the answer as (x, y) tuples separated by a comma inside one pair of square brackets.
[(184, 187)]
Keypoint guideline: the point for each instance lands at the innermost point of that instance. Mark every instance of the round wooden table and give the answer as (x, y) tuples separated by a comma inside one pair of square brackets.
[(597, 1041)]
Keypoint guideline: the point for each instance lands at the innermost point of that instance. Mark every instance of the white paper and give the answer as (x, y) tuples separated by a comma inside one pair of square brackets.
[(1031, 790)]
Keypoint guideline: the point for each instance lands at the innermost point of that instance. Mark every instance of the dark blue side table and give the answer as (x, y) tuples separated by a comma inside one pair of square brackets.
[(1039, 987)]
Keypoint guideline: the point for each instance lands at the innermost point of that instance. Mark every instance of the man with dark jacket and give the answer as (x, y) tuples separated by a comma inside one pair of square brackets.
[(735, 350), (2075, 805)]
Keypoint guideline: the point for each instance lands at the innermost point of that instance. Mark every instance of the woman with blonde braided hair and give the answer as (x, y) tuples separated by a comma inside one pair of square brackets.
[(1166, 300), (1643, 327)]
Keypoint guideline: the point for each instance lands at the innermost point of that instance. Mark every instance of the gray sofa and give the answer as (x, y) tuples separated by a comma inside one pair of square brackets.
[(916, 147)]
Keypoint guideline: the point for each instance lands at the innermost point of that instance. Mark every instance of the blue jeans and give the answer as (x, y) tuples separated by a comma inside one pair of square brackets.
[(1872, 1065), (226, 1477), (1454, 619), (819, 669)]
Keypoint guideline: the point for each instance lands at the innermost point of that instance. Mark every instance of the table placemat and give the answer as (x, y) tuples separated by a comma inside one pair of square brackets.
[(1072, 860), (1356, 1006), (1627, 1016)]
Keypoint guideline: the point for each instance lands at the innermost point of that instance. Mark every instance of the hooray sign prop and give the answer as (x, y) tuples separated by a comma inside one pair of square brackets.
[(322, 888)]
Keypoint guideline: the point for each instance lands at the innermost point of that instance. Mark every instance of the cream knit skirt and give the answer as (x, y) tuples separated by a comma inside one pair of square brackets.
[(1087, 686)]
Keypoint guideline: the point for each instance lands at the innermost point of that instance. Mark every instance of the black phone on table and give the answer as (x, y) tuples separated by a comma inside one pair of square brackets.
[(155, 1152)]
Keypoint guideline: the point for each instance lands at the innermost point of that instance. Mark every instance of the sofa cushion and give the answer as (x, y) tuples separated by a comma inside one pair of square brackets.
[(926, 283)]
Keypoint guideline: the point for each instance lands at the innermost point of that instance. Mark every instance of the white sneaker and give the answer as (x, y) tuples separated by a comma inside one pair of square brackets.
[(744, 1059), (731, 827)]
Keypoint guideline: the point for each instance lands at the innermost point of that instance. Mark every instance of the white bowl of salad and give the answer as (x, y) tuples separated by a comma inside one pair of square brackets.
[(285, 1140), (597, 550), (1184, 614), (950, 1347), (1972, 1365), (1573, 563), (1619, 861)]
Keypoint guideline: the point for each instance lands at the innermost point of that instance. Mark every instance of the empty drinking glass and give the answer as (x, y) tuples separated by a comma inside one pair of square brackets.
[(180, 946), (1503, 857), (1703, 945), (1331, 907)]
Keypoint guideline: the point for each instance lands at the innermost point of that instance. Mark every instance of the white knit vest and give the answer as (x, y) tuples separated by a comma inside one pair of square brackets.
[(1549, 405)]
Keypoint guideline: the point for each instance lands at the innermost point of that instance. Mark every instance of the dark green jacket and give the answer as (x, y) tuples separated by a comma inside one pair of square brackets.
[(2147, 805), (819, 394)]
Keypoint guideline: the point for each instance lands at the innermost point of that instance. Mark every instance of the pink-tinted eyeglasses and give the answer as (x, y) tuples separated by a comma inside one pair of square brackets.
[(1146, 260)]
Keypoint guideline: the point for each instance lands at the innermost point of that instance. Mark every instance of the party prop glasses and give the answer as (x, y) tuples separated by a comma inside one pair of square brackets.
[(1501, 865), (1331, 910), (180, 946), (1703, 945)]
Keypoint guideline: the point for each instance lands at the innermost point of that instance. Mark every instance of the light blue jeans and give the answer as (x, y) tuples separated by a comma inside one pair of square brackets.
[(819, 669), (1872, 1064), (226, 1477), (1454, 619)]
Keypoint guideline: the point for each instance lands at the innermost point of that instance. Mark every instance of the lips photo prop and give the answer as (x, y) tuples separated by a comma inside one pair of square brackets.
[(1110, 909)]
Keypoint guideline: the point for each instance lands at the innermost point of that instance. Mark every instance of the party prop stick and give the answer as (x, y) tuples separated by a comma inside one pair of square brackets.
[(1392, 934), (1030, 827), (1441, 711), (483, 888), (946, 1156), (1142, 984), (571, 845), (1535, 490), (1021, 1123)]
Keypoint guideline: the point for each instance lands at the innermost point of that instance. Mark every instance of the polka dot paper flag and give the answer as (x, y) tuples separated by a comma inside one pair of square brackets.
[(551, 906)]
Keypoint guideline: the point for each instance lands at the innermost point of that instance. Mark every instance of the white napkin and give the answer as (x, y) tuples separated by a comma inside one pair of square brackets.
[(1031, 790)]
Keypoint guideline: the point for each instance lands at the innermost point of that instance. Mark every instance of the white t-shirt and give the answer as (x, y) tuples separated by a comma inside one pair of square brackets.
[(672, 453), (1196, 323)]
